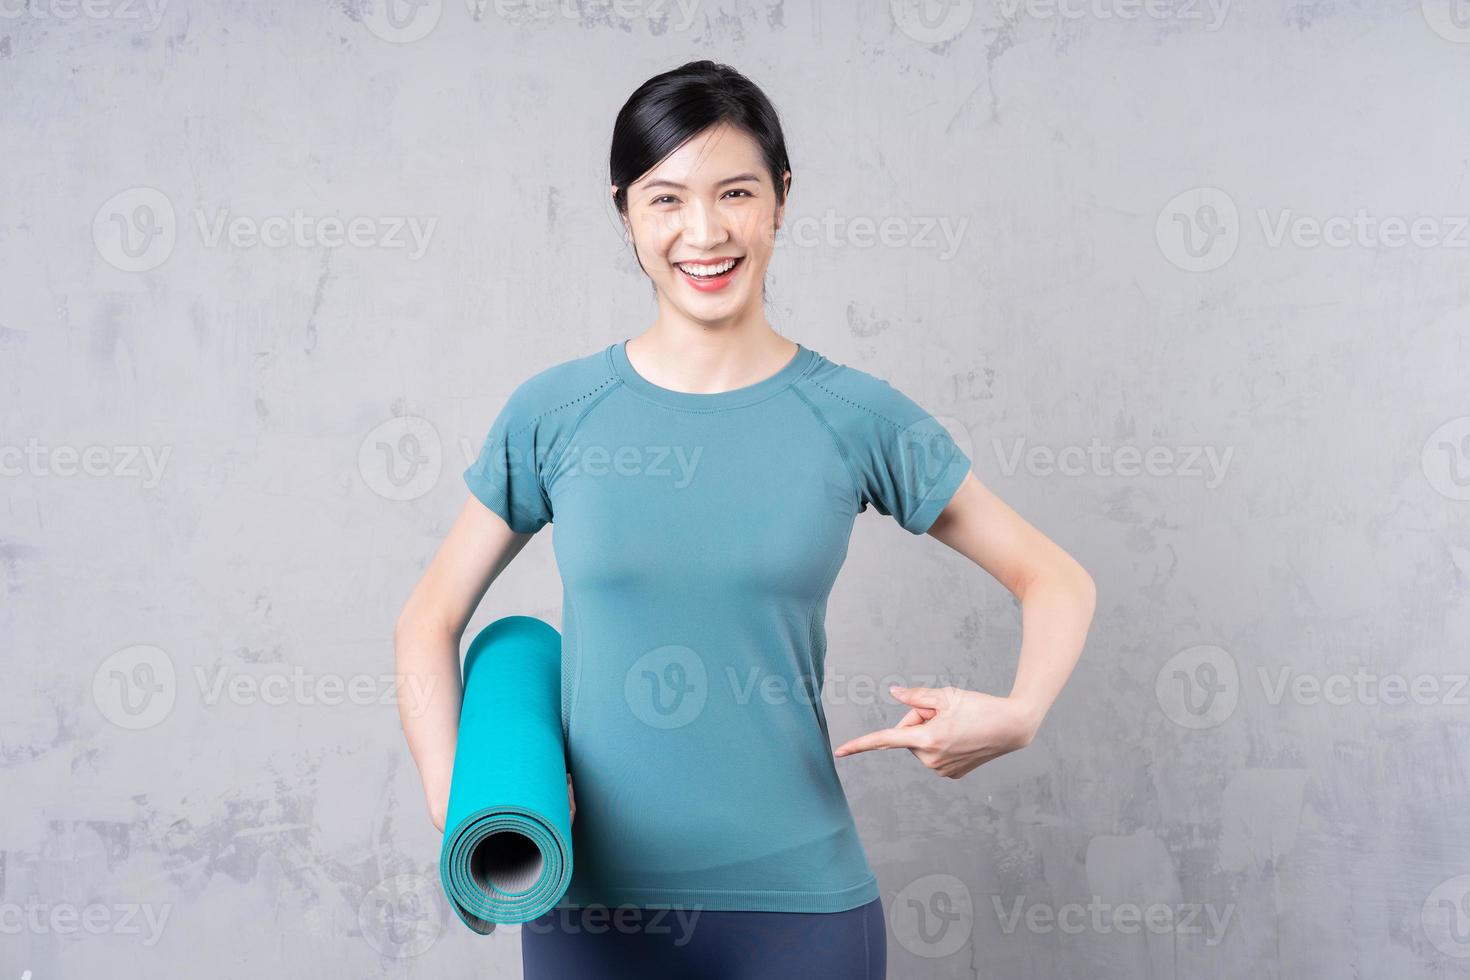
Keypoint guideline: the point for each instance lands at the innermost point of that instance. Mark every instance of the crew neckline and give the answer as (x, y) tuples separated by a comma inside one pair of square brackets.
[(714, 400)]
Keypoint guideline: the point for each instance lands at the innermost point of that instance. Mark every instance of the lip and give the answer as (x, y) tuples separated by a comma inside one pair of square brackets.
[(717, 283)]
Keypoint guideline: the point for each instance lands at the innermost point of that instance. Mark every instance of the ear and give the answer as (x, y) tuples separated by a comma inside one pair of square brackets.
[(785, 197), (627, 225)]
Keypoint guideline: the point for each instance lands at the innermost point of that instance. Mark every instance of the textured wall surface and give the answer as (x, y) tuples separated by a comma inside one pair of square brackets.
[(1188, 280)]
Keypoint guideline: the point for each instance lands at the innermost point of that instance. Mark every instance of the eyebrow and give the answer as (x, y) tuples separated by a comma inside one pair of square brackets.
[(673, 183)]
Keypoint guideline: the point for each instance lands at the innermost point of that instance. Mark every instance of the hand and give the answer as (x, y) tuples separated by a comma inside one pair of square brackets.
[(951, 730), (438, 808), (571, 797)]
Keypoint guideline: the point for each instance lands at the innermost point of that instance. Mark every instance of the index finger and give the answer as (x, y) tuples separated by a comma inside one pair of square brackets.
[(884, 738)]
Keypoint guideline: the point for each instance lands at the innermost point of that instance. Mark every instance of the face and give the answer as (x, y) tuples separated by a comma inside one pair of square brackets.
[(709, 202)]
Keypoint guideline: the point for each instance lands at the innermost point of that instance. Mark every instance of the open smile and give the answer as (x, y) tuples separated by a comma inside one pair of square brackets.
[(709, 276)]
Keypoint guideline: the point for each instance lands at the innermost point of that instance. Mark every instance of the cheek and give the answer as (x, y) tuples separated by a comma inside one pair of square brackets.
[(756, 231)]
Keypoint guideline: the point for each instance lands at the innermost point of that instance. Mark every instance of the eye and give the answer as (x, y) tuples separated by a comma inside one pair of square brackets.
[(741, 190), (661, 198)]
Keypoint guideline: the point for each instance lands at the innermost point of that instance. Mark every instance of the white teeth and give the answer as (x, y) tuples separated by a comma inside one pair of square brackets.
[(707, 270)]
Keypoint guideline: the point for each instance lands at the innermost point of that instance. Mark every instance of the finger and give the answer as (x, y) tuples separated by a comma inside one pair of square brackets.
[(912, 718), (887, 738), (926, 696)]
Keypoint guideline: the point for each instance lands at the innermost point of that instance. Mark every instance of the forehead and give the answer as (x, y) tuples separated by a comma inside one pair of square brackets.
[(708, 156)]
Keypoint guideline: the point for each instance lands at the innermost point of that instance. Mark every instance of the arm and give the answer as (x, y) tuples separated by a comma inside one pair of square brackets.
[(1057, 595), (953, 731), (427, 635)]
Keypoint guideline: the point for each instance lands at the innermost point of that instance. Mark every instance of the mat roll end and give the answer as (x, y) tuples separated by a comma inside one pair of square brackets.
[(507, 855)]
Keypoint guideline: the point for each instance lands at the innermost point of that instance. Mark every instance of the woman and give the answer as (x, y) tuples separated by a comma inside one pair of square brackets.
[(703, 478)]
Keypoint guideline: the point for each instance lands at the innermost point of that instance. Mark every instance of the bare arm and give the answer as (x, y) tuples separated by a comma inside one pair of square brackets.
[(427, 635), (1057, 595), (952, 730)]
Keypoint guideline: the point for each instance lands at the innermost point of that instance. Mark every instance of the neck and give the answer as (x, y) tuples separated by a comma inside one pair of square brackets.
[(691, 356)]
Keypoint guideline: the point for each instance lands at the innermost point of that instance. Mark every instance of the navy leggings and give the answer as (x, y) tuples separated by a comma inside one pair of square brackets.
[(624, 942)]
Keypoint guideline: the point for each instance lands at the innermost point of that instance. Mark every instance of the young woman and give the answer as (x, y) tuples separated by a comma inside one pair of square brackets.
[(703, 478)]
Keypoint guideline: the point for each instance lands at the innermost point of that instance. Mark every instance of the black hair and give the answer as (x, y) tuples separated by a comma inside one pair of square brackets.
[(665, 111)]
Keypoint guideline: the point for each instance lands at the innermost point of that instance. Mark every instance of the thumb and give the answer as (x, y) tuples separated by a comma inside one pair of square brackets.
[(914, 717)]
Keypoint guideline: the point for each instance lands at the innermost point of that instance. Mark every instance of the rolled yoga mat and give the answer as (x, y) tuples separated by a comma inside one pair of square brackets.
[(507, 853)]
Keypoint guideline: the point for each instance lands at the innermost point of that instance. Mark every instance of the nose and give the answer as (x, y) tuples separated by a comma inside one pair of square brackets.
[(703, 228)]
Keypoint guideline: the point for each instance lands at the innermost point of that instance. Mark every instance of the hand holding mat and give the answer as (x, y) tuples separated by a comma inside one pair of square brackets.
[(507, 854)]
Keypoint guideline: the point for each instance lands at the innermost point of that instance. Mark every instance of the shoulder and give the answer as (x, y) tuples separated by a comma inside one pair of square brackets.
[(851, 397), (561, 389)]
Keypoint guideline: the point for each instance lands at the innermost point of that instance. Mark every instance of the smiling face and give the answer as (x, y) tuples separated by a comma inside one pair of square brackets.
[(703, 222)]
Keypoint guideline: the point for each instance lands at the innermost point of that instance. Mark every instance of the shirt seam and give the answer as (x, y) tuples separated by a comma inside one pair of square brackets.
[(572, 431), (854, 404), (842, 452), (552, 411), (811, 366)]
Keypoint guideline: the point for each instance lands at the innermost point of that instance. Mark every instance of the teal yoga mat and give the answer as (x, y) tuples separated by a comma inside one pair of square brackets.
[(507, 853)]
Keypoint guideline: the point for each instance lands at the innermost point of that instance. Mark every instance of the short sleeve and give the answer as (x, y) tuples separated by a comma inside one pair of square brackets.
[(506, 476), (905, 463)]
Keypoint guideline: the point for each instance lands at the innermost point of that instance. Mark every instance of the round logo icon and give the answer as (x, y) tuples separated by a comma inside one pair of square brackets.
[(135, 687), (1198, 230), (1450, 19), (402, 21), (1445, 459), (1446, 916), (134, 230), (402, 916), (933, 916), (1198, 687), (959, 434), (401, 459), (921, 454), (932, 21), (667, 686)]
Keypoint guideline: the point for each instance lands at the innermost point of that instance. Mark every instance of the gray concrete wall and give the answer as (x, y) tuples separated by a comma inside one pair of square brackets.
[(1189, 282)]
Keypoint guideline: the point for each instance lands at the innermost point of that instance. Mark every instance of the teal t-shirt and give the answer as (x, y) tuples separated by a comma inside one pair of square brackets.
[(698, 537)]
